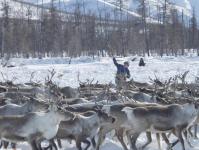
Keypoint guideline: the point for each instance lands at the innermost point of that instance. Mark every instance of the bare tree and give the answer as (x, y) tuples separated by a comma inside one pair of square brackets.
[(4, 26)]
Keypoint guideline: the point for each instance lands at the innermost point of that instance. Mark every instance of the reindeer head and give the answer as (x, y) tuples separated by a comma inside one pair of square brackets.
[(105, 118), (62, 114), (128, 111), (190, 109), (53, 90)]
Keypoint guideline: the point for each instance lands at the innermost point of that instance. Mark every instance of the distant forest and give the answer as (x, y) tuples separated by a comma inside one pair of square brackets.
[(55, 33)]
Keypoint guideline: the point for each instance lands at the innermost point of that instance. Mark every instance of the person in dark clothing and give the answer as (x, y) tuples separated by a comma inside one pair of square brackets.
[(122, 73), (141, 63)]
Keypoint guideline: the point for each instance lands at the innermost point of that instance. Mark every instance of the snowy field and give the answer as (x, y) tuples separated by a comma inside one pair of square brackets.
[(99, 69), (103, 71), (113, 144)]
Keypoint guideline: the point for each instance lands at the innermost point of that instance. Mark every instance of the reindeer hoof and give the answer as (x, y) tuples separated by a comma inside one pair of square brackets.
[(169, 147), (191, 145)]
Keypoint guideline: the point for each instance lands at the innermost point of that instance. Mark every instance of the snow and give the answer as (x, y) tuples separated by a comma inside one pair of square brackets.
[(103, 70), (111, 143), (17, 10), (100, 69)]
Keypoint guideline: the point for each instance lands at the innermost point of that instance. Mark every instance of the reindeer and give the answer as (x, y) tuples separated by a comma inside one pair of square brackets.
[(113, 110), (140, 96), (11, 110), (15, 97), (195, 125), (32, 105), (69, 92), (73, 101), (33, 127), (136, 85), (120, 118), (3, 89), (159, 119), (53, 91), (84, 126)]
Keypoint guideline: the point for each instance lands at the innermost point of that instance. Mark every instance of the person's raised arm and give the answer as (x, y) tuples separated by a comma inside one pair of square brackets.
[(115, 61)]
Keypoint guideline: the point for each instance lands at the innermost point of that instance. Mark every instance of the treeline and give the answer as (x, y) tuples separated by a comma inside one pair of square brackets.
[(54, 33)]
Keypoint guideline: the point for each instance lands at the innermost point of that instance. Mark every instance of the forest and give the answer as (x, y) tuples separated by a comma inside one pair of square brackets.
[(58, 33)]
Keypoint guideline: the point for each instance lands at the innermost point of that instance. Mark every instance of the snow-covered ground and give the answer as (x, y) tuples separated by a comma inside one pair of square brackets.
[(99, 69), (102, 70), (112, 143)]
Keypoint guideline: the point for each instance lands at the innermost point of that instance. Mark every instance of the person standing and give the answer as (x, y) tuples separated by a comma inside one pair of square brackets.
[(122, 73)]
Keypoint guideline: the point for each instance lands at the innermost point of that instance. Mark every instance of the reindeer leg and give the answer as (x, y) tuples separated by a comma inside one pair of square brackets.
[(129, 140), (167, 141), (158, 140), (38, 144), (149, 140), (100, 141), (169, 134), (188, 139), (179, 135), (88, 144), (53, 144), (119, 134), (132, 140), (13, 145), (78, 145), (174, 143), (78, 141), (174, 131), (59, 143), (195, 131), (48, 147), (1, 144), (33, 145), (93, 142), (5, 144), (181, 140), (190, 132), (101, 137)]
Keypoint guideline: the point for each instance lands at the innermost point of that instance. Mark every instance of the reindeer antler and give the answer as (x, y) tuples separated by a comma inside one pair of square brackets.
[(49, 78)]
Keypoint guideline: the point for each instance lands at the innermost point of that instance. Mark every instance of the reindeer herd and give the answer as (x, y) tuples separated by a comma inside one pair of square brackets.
[(46, 113)]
